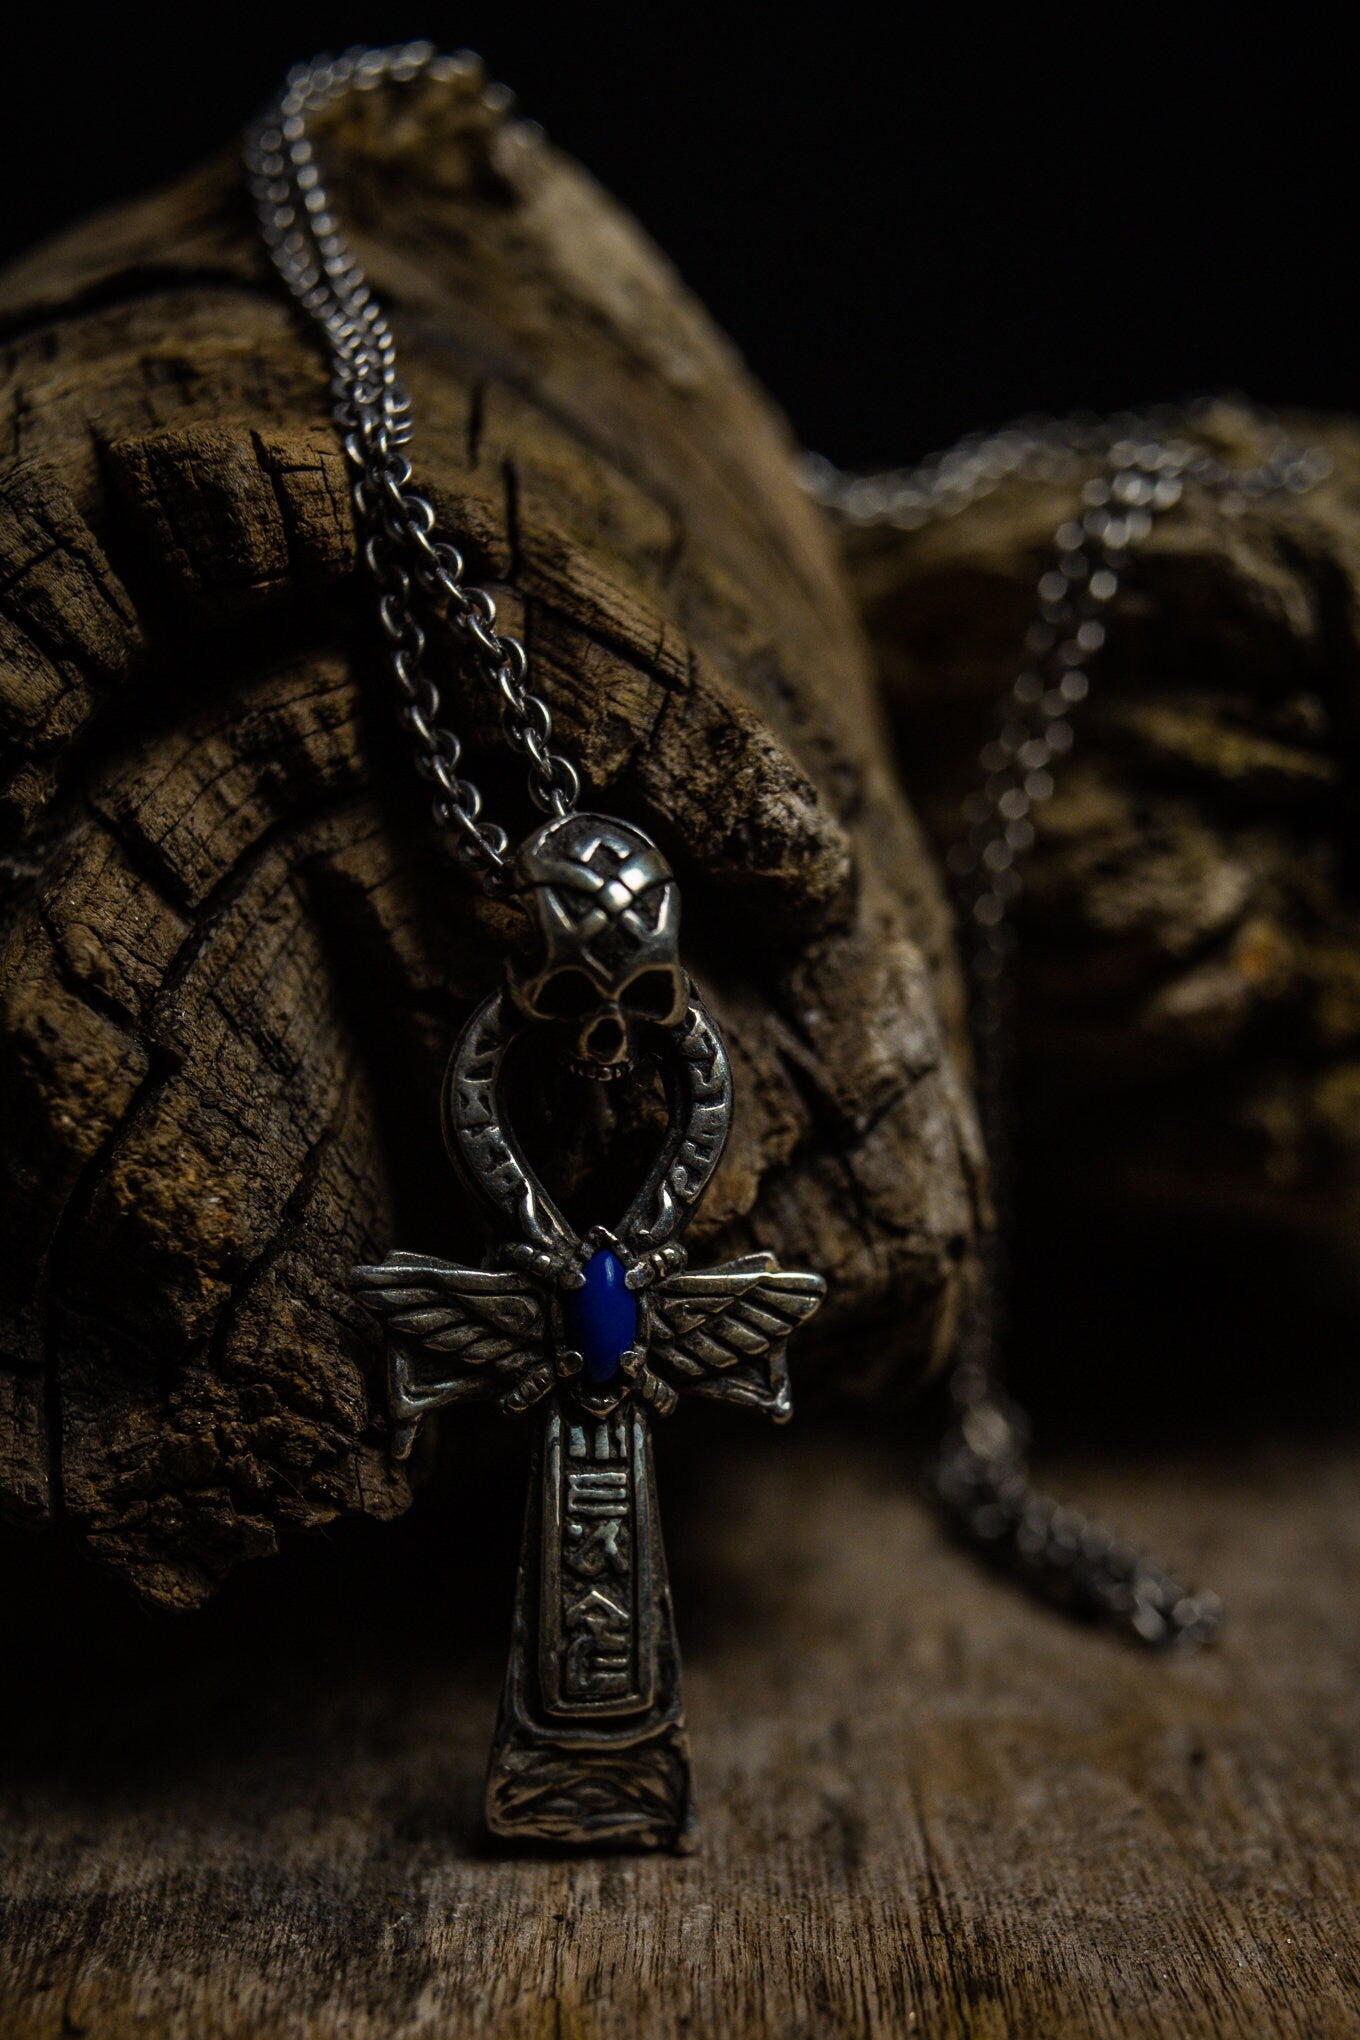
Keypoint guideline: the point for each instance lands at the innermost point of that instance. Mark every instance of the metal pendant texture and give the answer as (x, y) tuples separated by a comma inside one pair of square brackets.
[(598, 1332)]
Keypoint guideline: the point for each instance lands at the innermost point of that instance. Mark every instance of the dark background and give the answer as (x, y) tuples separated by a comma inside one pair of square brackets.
[(912, 227)]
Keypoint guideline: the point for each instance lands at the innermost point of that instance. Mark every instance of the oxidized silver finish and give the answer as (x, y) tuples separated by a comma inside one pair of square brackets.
[(1128, 470), (608, 914), (590, 1746)]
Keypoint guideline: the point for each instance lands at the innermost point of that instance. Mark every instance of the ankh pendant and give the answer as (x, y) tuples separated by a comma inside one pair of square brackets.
[(598, 1332)]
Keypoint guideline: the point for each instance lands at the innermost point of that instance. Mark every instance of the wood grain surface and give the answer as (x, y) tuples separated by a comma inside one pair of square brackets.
[(927, 1806)]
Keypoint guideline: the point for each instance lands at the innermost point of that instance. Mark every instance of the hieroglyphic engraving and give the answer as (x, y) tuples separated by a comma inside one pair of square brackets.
[(702, 1113), (595, 1633), (478, 1139)]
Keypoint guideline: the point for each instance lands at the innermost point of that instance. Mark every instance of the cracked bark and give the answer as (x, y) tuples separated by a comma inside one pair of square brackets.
[(236, 955)]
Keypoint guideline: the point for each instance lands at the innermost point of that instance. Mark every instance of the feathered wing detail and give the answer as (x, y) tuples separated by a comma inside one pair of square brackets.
[(452, 1334), (721, 1332)]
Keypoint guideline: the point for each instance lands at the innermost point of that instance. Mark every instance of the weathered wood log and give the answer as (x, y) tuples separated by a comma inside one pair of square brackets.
[(1189, 970), (237, 955)]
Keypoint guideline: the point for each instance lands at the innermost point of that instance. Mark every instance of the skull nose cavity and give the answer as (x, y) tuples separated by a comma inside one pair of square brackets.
[(604, 1039)]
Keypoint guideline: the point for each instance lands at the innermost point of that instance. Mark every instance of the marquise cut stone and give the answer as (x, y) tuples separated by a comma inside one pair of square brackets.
[(602, 1317)]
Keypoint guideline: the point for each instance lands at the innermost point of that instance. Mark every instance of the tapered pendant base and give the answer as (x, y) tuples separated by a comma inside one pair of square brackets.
[(590, 1748), (613, 1796)]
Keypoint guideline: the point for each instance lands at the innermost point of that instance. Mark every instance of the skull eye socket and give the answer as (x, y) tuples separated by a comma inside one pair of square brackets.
[(652, 995), (568, 995)]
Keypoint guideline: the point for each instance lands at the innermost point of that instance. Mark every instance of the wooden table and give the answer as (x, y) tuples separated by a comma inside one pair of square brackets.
[(928, 1806)]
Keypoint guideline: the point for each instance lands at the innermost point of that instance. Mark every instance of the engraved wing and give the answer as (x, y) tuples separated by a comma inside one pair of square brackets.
[(722, 1331), (454, 1334)]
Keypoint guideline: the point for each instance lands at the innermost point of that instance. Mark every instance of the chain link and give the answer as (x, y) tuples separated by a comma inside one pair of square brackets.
[(418, 575), (1127, 471)]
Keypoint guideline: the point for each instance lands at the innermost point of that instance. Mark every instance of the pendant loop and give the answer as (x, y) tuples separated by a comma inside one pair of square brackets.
[(490, 1160)]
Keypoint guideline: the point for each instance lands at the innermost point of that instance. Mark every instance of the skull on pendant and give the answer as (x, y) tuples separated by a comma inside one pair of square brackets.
[(606, 958)]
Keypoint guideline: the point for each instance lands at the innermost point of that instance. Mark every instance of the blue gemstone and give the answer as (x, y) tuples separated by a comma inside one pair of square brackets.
[(602, 1317)]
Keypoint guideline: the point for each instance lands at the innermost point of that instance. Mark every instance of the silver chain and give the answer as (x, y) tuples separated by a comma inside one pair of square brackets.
[(418, 574), (1128, 471)]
